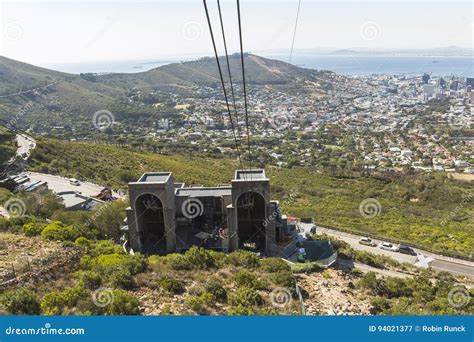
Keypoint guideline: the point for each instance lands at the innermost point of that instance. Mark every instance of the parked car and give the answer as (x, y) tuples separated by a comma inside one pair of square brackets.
[(301, 255), (406, 250), (74, 181), (388, 246), (105, 194), (367, 241)]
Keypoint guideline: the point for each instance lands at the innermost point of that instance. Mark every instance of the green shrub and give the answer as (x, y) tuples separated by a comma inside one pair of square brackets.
[(199, 303), (396, 287), (89, 279), (172, 285), (240, 311), (368, 259), (379, 305), (78, 300), (243, 259), (200, 258), (20, 302), (246, 297), (177, 262), (123, 304), (120, 278), (219, 257), (284, 279), (307, 267), (370, 282), (33, 228), (216, 289), (56, 230), (62, 302), (274, 265), (102, 247), (422, 288), (108, 263), (248, 279), (4, 224), (84, 243)]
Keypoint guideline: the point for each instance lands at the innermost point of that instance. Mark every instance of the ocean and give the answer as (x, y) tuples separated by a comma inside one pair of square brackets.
[(341, 64), (367, 65)]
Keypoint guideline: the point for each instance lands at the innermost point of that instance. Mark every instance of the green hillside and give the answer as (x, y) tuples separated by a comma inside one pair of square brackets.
[(42, 99), (414, 207), (47, 97), (258, 70), (7, 147)]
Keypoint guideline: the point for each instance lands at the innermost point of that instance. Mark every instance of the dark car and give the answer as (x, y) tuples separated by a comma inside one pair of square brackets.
[(406, 250)]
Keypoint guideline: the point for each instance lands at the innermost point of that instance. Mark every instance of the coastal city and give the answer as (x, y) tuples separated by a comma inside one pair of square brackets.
[(303, 160), (385, 122)]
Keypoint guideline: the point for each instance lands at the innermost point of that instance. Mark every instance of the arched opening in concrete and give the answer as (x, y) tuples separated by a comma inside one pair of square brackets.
[(150, 219), (250, 221)]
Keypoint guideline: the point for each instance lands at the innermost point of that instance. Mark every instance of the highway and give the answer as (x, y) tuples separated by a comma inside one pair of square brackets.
[(437, 262), (25, 144)]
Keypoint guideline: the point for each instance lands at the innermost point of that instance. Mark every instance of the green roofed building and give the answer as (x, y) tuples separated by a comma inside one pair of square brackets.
[(320, 251)]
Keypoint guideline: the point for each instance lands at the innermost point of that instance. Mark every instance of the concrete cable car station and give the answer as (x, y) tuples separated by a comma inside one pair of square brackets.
[(166, 217)]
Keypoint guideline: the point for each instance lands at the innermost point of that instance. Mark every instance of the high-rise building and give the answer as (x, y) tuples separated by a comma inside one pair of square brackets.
[(425, 78)]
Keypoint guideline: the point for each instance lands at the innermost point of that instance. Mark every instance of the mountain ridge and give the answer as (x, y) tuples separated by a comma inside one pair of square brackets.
[(64, 98)]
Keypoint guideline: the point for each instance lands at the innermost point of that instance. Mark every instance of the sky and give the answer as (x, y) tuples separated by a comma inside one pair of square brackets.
[(70, 31)]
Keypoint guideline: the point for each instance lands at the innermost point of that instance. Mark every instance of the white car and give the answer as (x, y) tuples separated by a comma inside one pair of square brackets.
[(74, 181), (367, 241), (388, 246)]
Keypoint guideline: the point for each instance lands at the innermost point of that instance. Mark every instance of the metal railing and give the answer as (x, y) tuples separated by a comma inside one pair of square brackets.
[(399, 241)]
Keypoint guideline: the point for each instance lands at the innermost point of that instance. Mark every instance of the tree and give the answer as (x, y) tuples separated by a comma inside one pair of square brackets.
[(20, 302)]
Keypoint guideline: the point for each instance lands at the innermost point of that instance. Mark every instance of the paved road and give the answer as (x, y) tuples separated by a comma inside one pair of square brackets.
[(60, 184), (30, 90), (439, 263), (25, 145)]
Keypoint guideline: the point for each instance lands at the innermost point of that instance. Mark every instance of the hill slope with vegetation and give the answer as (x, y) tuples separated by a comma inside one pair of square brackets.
[(203, 72), (41, 99), (427, 209)]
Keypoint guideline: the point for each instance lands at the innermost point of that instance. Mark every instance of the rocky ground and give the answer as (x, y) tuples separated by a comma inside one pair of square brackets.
[(33, 260), (332, 292)]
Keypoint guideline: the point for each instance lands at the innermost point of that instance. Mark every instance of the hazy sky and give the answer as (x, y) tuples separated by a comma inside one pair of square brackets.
[(65, 31)]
